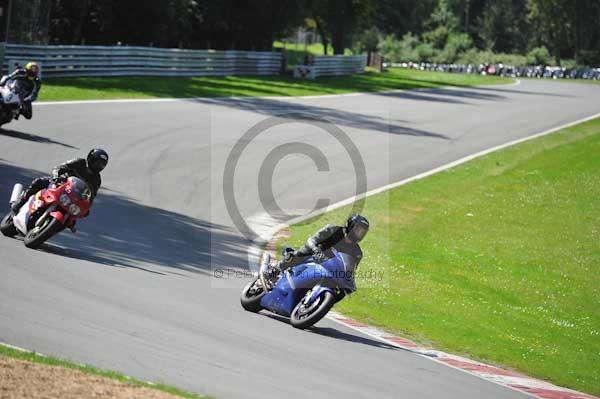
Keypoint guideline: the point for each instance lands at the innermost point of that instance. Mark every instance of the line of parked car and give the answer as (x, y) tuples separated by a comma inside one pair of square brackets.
[(538, 71)]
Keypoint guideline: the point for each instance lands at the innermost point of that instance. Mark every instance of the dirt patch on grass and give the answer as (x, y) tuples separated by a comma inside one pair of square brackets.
[(21, 379)]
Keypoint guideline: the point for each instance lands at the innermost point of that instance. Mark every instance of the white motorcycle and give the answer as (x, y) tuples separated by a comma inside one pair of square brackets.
[(10, 102)]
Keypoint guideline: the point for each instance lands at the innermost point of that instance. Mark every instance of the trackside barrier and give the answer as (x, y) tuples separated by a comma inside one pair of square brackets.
[(143, 61), (331, 66)]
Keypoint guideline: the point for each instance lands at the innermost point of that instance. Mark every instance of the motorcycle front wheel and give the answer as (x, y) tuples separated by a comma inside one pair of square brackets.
[(39, 234), (305, 315), (251, 296), (7, 227)]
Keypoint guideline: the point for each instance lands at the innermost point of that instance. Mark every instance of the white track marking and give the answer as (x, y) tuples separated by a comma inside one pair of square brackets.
[(271, 231)]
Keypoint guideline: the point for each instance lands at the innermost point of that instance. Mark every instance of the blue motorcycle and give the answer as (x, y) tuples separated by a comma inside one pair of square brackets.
[(304, 294)]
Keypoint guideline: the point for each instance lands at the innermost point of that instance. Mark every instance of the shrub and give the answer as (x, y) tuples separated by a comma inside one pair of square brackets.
[(569, 63), (425, 52), (390, 48), (400, 50), (368, 41), (456, 45), (437, 37), (538, 56)]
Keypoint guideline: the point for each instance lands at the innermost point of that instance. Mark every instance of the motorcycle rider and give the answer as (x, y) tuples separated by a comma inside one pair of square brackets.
[(30, 83), (319, 246), (87, 169)]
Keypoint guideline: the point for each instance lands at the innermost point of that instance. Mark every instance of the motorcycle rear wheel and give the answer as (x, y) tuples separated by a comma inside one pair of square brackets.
[(303, 317), (251, 296), (7, 227), (38, 235)]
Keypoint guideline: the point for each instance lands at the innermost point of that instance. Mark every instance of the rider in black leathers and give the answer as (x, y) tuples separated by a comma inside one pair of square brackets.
[(30, 84), (86, 169), (342, 238)]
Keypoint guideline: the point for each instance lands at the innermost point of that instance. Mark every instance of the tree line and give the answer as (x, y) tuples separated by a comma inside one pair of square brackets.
[(568, 29)]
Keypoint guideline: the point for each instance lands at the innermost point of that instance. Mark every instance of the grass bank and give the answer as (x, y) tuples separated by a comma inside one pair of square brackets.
[(92, 88), (498, 259), (61, 381)]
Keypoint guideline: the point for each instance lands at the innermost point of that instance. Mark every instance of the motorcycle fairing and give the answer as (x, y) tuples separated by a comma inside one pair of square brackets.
[(59, 215), (318, 277), (21, 220), (9, 97), (50, 196), (281, 299)]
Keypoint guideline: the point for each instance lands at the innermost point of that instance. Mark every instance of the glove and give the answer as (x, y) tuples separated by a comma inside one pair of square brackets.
[(60, 178), (318, 254)]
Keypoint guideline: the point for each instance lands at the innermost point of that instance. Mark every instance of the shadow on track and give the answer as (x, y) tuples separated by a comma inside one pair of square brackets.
[(503, 89), (272, 107), (121, 232), (335, 333), (31, 137)]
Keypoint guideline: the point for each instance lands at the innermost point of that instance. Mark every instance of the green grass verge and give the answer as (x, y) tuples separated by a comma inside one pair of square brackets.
[(498, 259), (52, 361), (60, 89)]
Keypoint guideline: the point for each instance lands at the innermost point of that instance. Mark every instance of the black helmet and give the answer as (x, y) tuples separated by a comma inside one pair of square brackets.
[(357, 227), (97, 159)]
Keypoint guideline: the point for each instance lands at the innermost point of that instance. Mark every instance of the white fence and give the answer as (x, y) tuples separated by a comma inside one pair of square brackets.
[(340, 65), (128, 61), (332, 66)]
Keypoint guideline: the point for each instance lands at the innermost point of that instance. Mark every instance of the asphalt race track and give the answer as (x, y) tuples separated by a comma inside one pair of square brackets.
[(135, 289)]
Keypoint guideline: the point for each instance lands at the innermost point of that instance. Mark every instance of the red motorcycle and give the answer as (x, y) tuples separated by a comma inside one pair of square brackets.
[(48, 212)]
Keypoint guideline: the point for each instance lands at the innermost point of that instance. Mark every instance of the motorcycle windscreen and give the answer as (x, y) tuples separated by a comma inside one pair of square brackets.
[(80, 188)]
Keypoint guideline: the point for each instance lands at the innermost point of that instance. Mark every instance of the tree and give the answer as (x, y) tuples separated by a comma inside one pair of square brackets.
[(337, 19), (28, 21), (442, 23), (553, 21), (567, 28), (398, 17), (502, 26), (368, 40)]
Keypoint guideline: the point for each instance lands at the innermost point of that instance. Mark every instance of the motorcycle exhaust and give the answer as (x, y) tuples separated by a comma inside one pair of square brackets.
[(16, 192)]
